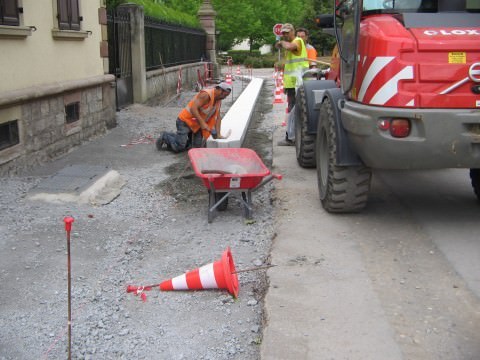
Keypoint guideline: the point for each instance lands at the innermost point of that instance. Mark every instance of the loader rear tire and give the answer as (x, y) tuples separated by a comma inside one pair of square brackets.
[(342, 189), (304, 142), (475, 178)]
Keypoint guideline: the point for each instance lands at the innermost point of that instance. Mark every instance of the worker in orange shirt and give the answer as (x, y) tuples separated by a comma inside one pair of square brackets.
[(311, 52), (198, 120)]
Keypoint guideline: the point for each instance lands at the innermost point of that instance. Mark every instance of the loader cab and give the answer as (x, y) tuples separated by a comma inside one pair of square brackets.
[(344, 26), (348, 14)]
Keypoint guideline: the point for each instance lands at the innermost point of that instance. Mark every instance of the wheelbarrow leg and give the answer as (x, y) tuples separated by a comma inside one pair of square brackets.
[(216, 201), (247, 204), (211, 205)]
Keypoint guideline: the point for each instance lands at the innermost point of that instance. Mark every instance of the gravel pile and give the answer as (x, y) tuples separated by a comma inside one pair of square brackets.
[(155, 230)]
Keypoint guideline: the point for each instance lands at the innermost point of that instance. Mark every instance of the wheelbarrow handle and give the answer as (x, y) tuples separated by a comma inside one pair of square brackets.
[(267, 179)]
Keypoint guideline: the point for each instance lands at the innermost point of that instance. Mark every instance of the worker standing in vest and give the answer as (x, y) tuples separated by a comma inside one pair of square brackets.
[(198, 120), (295, 63)]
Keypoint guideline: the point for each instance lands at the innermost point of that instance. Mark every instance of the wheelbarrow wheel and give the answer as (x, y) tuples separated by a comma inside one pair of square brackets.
[(223, 205)]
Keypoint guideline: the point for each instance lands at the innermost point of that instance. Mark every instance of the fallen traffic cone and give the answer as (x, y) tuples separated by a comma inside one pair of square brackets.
[(220, 274), (228, 79)]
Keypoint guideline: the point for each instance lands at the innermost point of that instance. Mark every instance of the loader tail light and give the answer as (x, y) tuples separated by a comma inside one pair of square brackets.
[(398, 128)]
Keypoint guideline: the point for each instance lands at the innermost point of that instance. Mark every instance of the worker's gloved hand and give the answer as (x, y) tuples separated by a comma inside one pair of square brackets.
[(213, 132)]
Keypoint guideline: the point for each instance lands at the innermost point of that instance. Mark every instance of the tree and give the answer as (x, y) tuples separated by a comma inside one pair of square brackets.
[(186, 6), (238, 20), (321, 41)]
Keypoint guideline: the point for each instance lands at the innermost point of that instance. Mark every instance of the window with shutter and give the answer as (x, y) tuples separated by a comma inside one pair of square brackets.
[(9, 13), (63, 19), (68, 15), (75, 18)]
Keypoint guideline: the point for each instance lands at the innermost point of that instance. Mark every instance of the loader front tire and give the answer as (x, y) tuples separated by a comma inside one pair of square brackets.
[(343, 189)]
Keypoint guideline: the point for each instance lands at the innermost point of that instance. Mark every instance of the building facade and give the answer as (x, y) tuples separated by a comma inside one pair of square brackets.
[(55, 91)]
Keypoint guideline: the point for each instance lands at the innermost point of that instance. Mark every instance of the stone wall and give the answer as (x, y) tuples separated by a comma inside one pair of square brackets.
[(43, 131)]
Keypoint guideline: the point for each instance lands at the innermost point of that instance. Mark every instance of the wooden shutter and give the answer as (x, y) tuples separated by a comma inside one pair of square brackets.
[(9, 12), (68, 15), (63, 18), (74, 15)]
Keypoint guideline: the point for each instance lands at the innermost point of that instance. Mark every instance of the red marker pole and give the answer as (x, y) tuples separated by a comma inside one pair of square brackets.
[(68, 220)]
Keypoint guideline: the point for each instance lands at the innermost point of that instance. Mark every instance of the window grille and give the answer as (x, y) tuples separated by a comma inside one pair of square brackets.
[(9, 134), (72, 112)]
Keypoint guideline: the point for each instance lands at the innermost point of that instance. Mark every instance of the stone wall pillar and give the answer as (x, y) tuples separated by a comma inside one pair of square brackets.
[(207, 15), (137, 33)]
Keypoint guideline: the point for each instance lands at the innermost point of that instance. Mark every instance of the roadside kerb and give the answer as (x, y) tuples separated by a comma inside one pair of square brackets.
[(238, 117)]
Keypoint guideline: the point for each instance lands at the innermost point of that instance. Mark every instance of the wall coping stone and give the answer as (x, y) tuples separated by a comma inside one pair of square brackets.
[(41, 91)]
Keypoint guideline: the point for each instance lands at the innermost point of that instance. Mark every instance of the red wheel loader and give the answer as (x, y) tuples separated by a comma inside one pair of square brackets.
[(403, 92)]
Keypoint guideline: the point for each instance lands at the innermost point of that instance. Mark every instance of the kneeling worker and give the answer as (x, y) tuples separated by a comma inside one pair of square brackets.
[(198, 120)]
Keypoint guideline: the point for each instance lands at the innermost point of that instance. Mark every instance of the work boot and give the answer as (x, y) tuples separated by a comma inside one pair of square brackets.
[(160, 141), (173, 147)]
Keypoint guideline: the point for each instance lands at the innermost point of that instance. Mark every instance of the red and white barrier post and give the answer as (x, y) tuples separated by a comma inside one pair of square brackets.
[(68, 220)]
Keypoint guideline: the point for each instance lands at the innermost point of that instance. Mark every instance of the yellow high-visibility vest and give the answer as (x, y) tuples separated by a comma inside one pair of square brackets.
[(294, 66)]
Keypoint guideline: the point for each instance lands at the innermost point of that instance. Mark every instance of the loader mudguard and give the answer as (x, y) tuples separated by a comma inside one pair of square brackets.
[(314, 93), (346, 156)]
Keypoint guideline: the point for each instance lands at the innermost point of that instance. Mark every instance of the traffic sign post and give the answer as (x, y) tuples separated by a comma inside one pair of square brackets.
[(277, 30)]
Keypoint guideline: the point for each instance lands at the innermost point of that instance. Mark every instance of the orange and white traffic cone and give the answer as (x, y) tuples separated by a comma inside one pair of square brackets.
[(284, 122), (220, 274), (238, 70), (278, 96), (228, 79)]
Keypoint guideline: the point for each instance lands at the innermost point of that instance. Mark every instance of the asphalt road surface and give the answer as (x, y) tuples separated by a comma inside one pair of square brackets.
[(401, 280)]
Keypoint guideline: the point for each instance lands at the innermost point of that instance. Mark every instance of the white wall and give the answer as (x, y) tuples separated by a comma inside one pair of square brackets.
[(244, 45)]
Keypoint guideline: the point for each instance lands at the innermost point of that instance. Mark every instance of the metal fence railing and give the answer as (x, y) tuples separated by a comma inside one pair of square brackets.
[(120, 55), (170, 45)]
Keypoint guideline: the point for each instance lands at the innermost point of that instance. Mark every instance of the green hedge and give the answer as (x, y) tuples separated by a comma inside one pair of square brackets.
[(160, 12), (264, 61), (252, 58), (239, 56)]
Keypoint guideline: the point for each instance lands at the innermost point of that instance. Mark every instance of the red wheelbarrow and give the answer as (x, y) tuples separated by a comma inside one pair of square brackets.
[(225, 171)]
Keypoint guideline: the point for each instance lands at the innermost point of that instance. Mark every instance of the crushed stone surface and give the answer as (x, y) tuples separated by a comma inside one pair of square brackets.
[(155, 230)]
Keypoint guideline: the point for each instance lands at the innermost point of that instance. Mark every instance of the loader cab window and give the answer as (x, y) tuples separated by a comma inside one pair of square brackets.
[(347, 21), (399, 6), (419, 6), (473, 5)]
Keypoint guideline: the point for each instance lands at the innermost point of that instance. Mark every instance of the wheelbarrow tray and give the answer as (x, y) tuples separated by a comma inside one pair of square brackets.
[(228, 168)]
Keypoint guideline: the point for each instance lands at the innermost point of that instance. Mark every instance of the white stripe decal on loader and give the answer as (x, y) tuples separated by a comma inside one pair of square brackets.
[(377, 65), (390, 89)]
